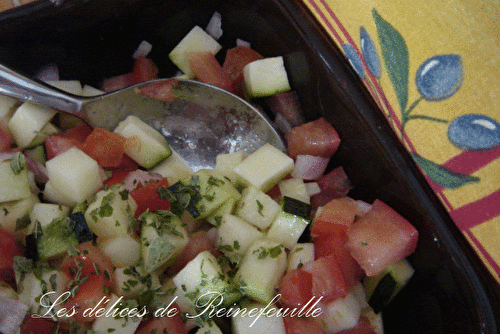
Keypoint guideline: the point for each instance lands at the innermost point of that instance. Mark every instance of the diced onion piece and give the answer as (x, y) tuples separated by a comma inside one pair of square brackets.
[(12, 313), (313, 188), (241, 42), (214, 27), (139, 178), (309, 167), (143, 49), (363, 208), (282, 124), (48, 73)]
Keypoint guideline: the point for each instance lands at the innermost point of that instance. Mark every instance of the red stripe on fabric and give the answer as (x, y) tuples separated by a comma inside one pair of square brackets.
[(495, 266), (330, 27), (469, 162), (477, 212)]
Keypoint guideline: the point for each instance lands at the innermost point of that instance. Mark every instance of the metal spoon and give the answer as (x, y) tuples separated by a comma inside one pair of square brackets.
[(205, 122)]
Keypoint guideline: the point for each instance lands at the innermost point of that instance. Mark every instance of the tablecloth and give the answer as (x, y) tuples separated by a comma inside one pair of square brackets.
[(433, 68)]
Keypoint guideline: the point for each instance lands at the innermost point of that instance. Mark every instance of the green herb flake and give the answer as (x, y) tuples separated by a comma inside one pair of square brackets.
[(18, 163), (260, 207), (23, 222)]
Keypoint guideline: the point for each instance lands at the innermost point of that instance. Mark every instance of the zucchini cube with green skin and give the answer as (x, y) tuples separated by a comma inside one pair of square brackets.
[(257, 208), (266, 77), (291, 222), (197, 40), (300, 254), (163, 238), (45, 213), (202, 280), (203, 192), (294, 188), (27, 121), (74, 175), (111, 213), (15, 183), (260, 270), (265, 167), (152, 147), (382, 288), (56, 239), (235, 235), (228, 207)]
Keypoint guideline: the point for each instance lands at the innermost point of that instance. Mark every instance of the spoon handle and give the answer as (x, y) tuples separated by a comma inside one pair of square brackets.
[(15, 85)]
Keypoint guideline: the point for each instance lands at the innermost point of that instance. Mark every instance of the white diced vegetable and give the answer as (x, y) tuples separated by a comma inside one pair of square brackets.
[(290, 222), (225, 163), (45, 213), (111, 213), (260, 321), (16, 213), (27, 121), (91, 91), (53, 195), (209, 327), (15, 184), (123, 250), (257, 208), (70, 86), (294, 188), (131, 281), (235, 235), (340, 314), (118, 324), (174, 168), (74, 175), (300, 254), (265, 167), (47, 130), (7, 106), (197, 40), (266, 77), (151, 149)]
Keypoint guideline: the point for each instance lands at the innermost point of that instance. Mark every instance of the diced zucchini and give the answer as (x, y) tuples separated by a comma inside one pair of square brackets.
[(382, 288), (260, 270), (131, 281), (197, 40), (7, 107), (202, 193), (37, 154), (163, 238), (174, 168), (266, 77), (152, 147), (228, 207), (47, 130), (53, 195), (294, 188), (68, 121), (27, 121), (265, 167), (118, 324), (111, 213), (88, 90), (74, 175), (123, 250), (15, 183), (70, 86), (202, 279), (209, 327), (257, 208), (45, 213), (225, 163), (56, 239), (255, 324), (14, 216), (235, 235), (340, 314), (82, 229), (291, 222), (300, 254)]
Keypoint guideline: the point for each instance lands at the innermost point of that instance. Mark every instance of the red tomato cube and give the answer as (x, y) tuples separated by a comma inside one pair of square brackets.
[(381, 237), (317, 138), (207, 69), (144, 69), (296, 288), (234, 62), (147, 197), (61, 142), (301, 325), (328, 279), (337, 214)]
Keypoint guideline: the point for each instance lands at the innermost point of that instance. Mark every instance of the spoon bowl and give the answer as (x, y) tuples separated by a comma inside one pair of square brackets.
[(204, 122)]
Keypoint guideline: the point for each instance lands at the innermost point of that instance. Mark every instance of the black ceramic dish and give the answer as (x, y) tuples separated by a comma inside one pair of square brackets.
[(451, 291)]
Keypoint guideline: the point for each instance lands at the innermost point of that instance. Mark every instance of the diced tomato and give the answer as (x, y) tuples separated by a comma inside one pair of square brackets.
[(117, 82), (337, 214), (381, 237), (207, 69), (87, 296), (5, 137), (234, 62), (328, 279), (334, 184), (162, 90), (144, 69), (318, 138), (37, 325), (363, 327), (8, 249), (335, 243), (105, 147), (166, 324), (91, 258), (199, 241), (302, 325), (147, 197), (296, 288), (61, 142), (125, 164), (117, 176), (287, 104)]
